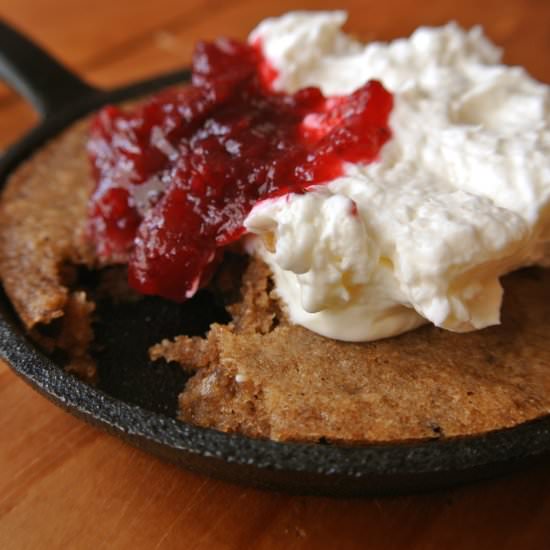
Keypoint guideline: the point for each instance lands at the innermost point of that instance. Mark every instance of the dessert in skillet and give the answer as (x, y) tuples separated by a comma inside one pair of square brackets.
[(375, 189)]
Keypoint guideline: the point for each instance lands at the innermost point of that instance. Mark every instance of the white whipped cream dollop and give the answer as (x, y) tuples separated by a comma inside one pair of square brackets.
[(459, 196)]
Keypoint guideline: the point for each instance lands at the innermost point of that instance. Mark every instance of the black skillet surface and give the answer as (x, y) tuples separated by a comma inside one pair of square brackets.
[(136, 400)]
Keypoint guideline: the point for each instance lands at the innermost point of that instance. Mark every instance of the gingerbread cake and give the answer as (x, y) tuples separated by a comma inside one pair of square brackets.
[(260, 375), (359, 220)]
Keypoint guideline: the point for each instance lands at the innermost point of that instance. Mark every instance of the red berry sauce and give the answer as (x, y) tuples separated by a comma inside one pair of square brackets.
[(177, 176)]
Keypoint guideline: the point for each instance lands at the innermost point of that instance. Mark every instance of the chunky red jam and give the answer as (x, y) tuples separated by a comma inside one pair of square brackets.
[(177, 176)]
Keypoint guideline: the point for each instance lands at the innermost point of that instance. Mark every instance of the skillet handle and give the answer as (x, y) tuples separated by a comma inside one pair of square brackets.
[(48, 85)]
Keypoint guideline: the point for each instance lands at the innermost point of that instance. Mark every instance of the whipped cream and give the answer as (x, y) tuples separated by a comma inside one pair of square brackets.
[(459, 196)]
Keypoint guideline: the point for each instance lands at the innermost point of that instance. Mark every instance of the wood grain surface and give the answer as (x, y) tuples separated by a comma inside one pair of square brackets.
[(64, 484)]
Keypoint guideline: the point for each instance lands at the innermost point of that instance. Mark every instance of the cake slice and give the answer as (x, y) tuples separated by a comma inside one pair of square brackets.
[(42, 222), (260, 375), (263, 377)]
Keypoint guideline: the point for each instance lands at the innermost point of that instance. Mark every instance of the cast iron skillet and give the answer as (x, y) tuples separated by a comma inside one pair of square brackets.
[(137, 400)]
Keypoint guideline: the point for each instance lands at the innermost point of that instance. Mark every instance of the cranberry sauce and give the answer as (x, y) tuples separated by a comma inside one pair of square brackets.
[(177, 176)]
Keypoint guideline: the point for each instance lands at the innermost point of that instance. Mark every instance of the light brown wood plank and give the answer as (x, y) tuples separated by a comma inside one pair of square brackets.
[(16, 119), (168, 47), (510, 24), (110, 32), (82, 36)]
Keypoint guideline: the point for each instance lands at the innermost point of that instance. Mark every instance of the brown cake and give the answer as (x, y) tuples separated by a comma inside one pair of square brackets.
[(263, 377), (260, 375), (42, 219)]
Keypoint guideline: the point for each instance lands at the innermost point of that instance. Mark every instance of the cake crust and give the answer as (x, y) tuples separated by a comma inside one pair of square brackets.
[(42, 222)]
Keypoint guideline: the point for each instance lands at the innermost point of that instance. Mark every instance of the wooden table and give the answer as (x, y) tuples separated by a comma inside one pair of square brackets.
[(64, 484)]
